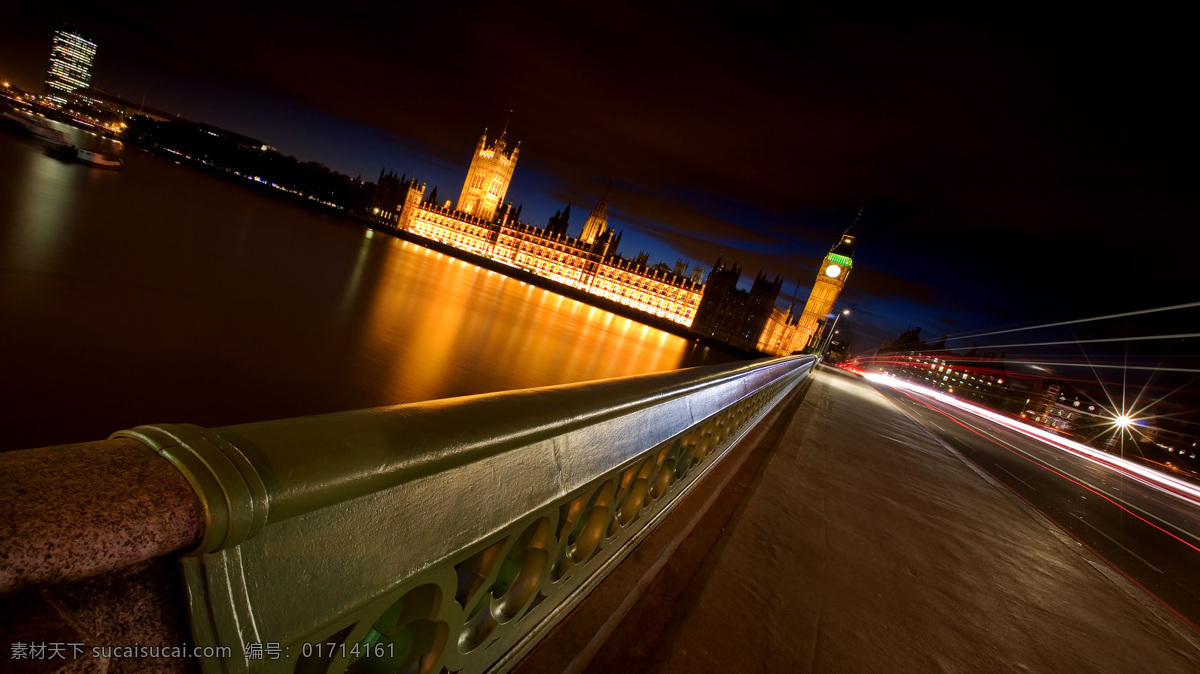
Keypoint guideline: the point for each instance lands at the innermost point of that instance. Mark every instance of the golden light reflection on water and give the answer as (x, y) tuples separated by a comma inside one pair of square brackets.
[(184, 298), (439, 327)]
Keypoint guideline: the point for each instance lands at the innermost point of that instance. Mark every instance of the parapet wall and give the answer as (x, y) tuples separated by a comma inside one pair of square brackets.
[(452, 533)]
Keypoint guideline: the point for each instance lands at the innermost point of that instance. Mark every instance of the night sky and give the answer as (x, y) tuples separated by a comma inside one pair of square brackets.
[(1015, 167)]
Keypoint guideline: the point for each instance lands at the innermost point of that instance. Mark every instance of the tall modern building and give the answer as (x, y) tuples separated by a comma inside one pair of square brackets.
[(830, 281), (71, 57)]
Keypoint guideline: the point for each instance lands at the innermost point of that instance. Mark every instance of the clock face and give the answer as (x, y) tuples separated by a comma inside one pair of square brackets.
[(833, 271)]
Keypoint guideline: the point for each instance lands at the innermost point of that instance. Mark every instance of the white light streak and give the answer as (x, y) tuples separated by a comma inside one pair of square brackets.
[(1180, 489)]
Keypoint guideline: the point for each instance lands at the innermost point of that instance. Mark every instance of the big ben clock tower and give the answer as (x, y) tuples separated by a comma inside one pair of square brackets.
[(835, 269)]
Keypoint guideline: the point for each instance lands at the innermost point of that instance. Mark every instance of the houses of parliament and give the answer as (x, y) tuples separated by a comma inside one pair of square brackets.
[(483, 223)]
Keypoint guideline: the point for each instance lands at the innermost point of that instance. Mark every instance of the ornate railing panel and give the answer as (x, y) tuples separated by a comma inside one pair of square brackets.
[(446, 535)]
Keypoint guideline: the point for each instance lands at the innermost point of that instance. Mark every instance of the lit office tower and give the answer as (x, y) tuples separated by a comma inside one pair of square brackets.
[(71, 56)]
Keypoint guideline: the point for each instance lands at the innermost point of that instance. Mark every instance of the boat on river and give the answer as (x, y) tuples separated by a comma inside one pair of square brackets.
[(50, 136), (38, 129), (98, 159)]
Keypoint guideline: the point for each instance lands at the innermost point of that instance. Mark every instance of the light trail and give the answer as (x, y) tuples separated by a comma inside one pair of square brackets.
[(1146, 410), (1081, 482), (1152, 478), (1041, 464), (1125, 416), (1054, 363), (1140, 338), (1140, 312), (1122, 505)]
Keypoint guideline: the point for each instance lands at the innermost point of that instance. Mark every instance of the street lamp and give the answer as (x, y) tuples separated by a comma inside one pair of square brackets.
[(829, 337)]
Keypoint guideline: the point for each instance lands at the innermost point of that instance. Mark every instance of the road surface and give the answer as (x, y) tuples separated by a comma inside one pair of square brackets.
[(863, 544), (1149, 535)]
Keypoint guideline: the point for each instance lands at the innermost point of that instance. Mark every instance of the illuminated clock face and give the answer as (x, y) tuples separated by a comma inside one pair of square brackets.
[(833, 271)]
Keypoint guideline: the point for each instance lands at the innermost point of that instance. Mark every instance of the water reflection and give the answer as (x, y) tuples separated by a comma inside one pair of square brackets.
[(42, 196), (353, 287), (440, 327), (165, 295)]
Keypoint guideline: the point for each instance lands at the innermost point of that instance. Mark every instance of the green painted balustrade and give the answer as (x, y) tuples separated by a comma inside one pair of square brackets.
[(448, 535)]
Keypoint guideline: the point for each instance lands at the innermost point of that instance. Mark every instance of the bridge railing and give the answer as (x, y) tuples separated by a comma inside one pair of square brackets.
[(449, 534)]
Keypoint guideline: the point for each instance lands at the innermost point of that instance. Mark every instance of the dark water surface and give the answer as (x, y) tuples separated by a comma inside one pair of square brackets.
[(159, 294)]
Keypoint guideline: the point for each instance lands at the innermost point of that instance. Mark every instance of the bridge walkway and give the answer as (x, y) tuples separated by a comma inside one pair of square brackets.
[(861, 544)]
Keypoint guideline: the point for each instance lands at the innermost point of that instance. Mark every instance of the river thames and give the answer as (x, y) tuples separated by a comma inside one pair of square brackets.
[(159, 294)]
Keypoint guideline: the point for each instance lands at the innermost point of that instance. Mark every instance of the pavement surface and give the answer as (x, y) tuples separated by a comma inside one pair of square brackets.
[(864, 544)]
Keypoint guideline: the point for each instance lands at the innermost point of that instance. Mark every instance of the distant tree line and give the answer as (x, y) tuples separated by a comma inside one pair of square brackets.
[(225, 151)]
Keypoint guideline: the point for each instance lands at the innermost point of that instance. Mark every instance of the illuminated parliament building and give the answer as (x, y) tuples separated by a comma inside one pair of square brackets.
[(483, 223)]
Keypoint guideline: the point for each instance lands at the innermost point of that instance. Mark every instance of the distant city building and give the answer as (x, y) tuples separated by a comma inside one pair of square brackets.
[(729, 314), (831, 278), (981, 377), (96, 108), (838, 351), (1063, 407), (106, 103), (748, 320), (388, 192), (481, 226), (1070, 408), (71, 56)]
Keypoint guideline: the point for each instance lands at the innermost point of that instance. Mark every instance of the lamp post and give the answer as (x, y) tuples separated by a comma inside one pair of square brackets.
[(829, 337)]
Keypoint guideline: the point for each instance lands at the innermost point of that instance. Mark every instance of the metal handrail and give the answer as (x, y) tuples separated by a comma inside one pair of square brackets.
[(449, 533)]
